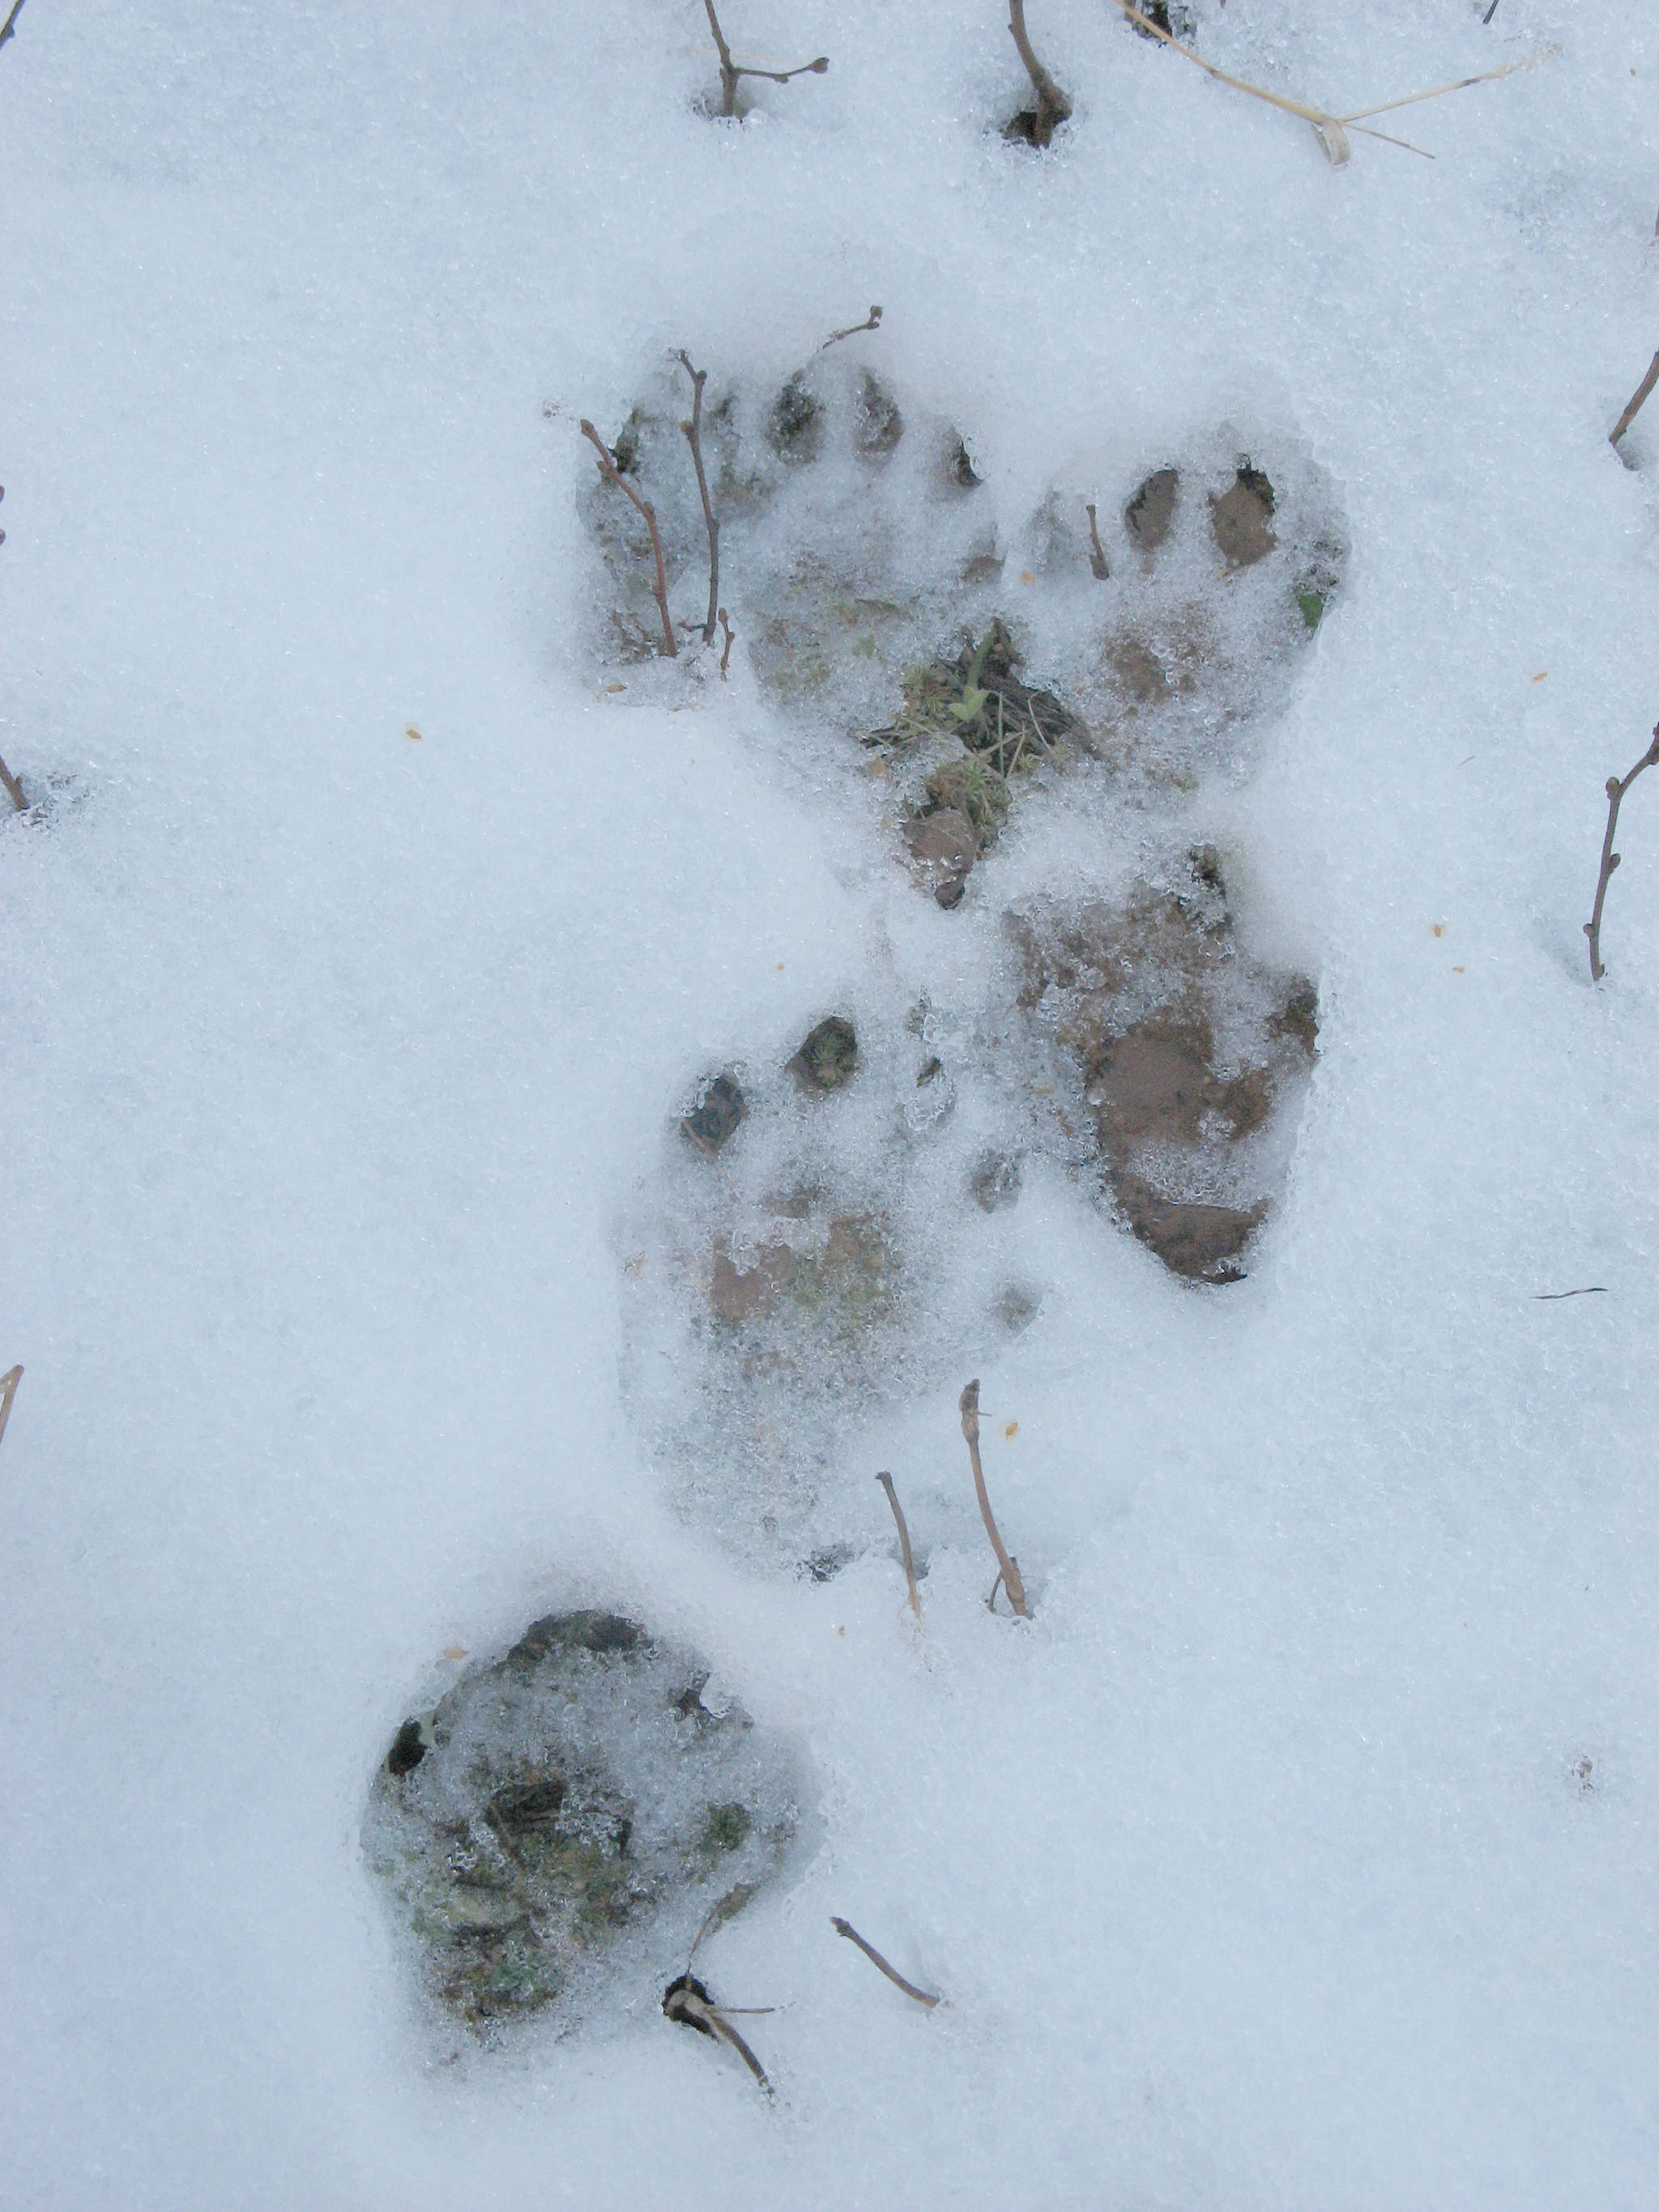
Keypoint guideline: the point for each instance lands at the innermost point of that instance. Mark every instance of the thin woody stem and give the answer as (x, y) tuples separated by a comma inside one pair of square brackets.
[(1011, 1577), (693, 430), (660, 588), (726, 627), (6, 28), (9, 1383), (846, 1927), (1052, 107), (1098, 562), (686, 2004), (14, 790), (1616, 791), (730, 71), (1638, 396), (872, 322), (886, 1482)]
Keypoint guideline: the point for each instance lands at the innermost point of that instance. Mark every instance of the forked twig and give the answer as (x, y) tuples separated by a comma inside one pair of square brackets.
[(732, 71), (1637, 396), (689, 2003), (608, 464), (1616, 791), (846, 1927), (872, 323), (886, 1482), (693, 430), (1331, 131), (9, 1383), (14, 790), (726, 627), (1097, 563), (1052, 108), (969, 1405)]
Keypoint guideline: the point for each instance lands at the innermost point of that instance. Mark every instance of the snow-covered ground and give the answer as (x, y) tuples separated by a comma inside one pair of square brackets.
[(1301, 1852)]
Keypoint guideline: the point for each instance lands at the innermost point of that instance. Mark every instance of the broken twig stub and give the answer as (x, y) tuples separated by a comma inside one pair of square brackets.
[(660, 589), (1008, 1574), (9, 1383), (886, 1482), (1616, 791), (1638, 396), (846, 1927)]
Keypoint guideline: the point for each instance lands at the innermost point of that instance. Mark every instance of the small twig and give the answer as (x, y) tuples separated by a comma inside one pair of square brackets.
[(1331, 129), (608, 464), (886, 1482), (1052, 108), (9, 1381), (693, 430), (689, 2003), (846, 1927), (1590, 1290), (1097, 552), (6, 30), (730, 70), (1609, 858), (726, 627), (1638, 396), (853, 329), (969, 1405), (14, 790)]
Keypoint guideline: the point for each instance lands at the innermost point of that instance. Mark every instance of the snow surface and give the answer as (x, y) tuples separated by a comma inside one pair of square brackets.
[(1263, 1868)]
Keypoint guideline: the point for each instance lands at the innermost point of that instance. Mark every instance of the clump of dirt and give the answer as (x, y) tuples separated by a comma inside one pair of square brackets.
[(1240, 517), (571, 1797), (1183, 1052), (1150, 512)]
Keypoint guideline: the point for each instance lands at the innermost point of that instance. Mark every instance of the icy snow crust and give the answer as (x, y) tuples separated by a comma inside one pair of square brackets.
[(1301, 1851)]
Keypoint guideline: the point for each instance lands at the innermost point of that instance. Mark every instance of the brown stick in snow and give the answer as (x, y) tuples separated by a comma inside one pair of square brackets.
[(1010, 1571), (874, 323), (1637, 396), (1616, 791), (730, 70), (693, 430), (1052, 107), (14, 790), (607, 462), (886, 1482), (846, 1927), (9, 1383)]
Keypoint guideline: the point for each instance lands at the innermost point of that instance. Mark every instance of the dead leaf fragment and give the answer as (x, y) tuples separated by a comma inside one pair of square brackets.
[(412, 731)]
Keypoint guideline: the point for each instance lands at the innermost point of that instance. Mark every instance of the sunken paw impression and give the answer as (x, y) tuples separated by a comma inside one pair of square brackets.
[(836, 1217), (564, 1819)]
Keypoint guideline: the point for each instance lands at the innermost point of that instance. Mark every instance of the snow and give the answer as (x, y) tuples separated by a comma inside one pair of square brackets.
[(1263, 1868)]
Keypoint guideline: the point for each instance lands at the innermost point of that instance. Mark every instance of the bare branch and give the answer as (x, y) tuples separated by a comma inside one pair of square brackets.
[(886, 1482), (726, 655), (609, 466), (1010, 1579), (693, 430), (874, 323), (6, 29), (1052, 107), (730, 71), (14, 790), (846, 1927), (1637, 396), (689, 2003), (1616, 791), (1098, 562), (9, 1383)]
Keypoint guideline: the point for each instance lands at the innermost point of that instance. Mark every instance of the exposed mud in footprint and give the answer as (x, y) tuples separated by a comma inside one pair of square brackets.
[(571, 1811), (1187, 1059)]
